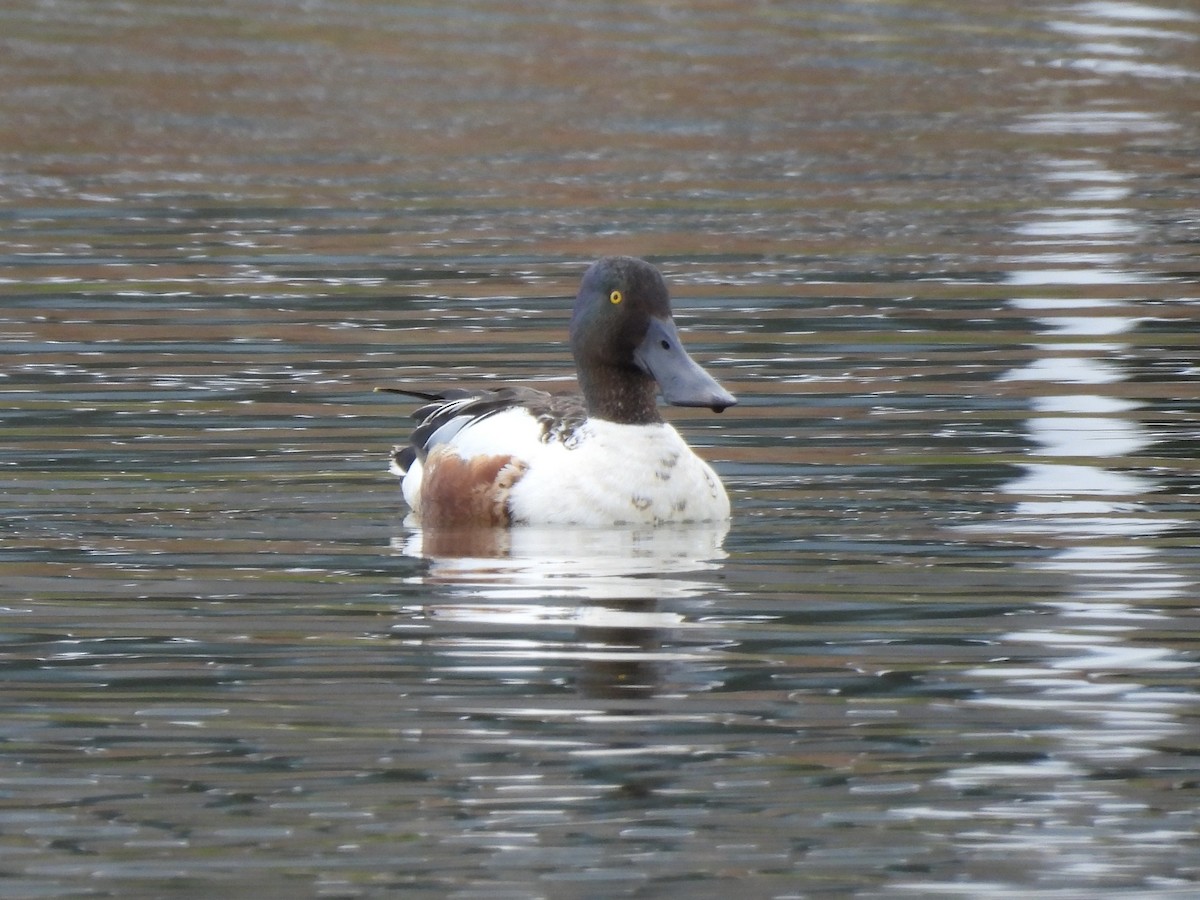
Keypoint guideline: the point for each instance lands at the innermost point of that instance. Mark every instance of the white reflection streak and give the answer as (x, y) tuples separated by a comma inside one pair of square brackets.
[(573, 563), (1070, 436), (1070, 496), (1084, 675), (592, 579), (1074, 680)]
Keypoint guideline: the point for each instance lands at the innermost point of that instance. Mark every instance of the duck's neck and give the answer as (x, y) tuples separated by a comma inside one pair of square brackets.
[(624, 396)]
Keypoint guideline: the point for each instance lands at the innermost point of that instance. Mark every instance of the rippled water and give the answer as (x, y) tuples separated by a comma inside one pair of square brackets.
[(945, 254)]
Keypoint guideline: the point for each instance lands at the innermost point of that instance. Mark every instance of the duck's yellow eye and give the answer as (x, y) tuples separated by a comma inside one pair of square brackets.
[(616, 297)]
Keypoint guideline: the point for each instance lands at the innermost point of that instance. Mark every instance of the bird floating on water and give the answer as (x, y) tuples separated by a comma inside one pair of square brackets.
[(520, 456)]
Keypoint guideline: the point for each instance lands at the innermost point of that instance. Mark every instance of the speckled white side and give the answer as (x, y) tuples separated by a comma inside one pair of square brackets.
[(604, 474)]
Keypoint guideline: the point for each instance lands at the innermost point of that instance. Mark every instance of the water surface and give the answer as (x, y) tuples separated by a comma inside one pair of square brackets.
[(944, 255)]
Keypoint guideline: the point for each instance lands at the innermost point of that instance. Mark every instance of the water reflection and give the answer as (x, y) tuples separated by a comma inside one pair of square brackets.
[(565, 561), (1110, 33), (1086, 672), (1067, 489), (494, 589), (1083, 677)]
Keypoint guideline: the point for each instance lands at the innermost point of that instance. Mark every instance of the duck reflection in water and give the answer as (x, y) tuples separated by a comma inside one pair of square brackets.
[(612, 587)]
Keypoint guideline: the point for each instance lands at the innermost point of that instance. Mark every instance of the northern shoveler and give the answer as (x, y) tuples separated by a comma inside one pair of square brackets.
[(515, 455)]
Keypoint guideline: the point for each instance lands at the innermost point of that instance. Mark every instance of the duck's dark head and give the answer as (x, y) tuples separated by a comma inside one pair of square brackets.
[(625, 343)]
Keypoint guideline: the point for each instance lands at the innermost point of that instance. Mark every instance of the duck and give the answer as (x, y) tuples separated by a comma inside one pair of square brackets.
[(514, 455)]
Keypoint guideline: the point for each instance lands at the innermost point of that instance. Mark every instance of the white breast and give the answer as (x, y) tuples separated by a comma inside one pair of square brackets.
[(609, 474), (603, 474)]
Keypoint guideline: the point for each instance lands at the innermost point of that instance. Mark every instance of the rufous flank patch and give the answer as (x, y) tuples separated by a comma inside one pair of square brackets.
[(455, 490)]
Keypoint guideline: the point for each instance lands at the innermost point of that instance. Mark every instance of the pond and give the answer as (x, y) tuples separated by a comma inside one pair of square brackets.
[(945, 256)]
